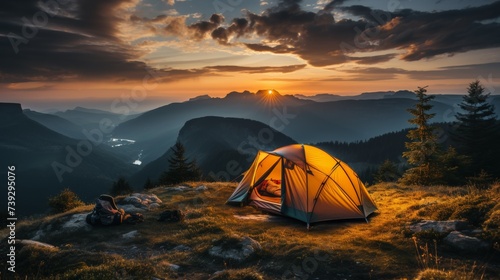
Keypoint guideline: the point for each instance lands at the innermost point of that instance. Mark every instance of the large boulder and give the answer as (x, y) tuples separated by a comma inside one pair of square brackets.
[(463, 242), (63, 226), (235, 248), (438, 226)]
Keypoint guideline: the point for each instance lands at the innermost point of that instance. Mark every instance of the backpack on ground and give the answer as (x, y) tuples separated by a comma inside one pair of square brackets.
[(105, 212)]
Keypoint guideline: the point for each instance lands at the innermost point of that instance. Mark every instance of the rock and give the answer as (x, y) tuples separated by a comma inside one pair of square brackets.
[(240, 251), (438, 226), (179, 188), (140, 201), (131, 208), (153, 205), (64, 225), (132, 200), (201, 188), (77, 222), (173, 267), (463, 242), (130, 235)]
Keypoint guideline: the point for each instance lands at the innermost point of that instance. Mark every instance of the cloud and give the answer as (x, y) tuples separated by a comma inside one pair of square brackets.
[(469, 72), (322, 40), (256, 70), (428, 34), (77, 40), (200, 29), (373, 59)]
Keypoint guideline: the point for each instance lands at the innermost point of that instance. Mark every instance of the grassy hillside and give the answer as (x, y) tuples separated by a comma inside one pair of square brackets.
[(380, 249)]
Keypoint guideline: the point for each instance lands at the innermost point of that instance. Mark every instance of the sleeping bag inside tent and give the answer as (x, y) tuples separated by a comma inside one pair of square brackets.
[(305, 183)]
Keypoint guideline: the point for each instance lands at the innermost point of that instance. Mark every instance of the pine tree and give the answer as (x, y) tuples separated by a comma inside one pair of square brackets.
[(477, 131), (121, 186), (180, 169), (148, 184), (422, 149)]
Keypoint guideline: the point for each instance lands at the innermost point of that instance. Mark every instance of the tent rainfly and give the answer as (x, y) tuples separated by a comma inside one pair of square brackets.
[(305, 183)]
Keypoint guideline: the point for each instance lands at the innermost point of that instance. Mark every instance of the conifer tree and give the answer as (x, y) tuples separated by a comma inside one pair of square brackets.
[(148, 184), (121, 186), (477, 131), (180, 169), (422, 150)]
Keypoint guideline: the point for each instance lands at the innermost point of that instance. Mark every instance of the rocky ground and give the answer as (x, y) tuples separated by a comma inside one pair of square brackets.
[(452, 232)]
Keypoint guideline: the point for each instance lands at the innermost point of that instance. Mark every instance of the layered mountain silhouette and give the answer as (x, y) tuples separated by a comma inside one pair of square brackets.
[(90, 118), (56, 123), (304, 120), (222, 147), (36, 151)]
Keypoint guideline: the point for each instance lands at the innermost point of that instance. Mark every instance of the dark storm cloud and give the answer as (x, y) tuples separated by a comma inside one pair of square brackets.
[(425, 35), (321, 40), (64, 40)]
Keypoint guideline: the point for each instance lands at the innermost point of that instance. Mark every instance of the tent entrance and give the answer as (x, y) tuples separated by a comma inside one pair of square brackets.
[(267, 191)]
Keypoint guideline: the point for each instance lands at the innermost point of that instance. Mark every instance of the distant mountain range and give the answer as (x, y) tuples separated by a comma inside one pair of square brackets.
[(306, 121), (327, 97), (222, 134), (37, 152)]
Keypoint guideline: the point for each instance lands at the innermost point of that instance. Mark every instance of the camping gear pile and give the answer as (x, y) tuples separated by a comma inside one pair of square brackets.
[(106, 213)]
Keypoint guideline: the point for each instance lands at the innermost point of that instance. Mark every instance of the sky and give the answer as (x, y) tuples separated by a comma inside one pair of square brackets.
[(146, 53)]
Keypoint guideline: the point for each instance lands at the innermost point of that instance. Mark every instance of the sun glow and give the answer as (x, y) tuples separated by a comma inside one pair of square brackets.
[(269, 97)]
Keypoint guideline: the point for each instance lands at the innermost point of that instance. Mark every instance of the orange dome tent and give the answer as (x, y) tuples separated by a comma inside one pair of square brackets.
[(305, 183)]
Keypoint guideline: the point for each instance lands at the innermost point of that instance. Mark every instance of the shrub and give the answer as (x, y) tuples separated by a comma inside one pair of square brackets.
[(472, 207), (491, 226), (481, 181), (64, 201)]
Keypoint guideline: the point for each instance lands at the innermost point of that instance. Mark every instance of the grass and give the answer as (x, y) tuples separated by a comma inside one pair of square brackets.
[(354, 249)]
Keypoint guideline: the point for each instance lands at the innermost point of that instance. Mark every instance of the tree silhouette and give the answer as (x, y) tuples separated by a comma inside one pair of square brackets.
[(121, 186), (148, 184), (180, 169), (422, 150), (477, 131)]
